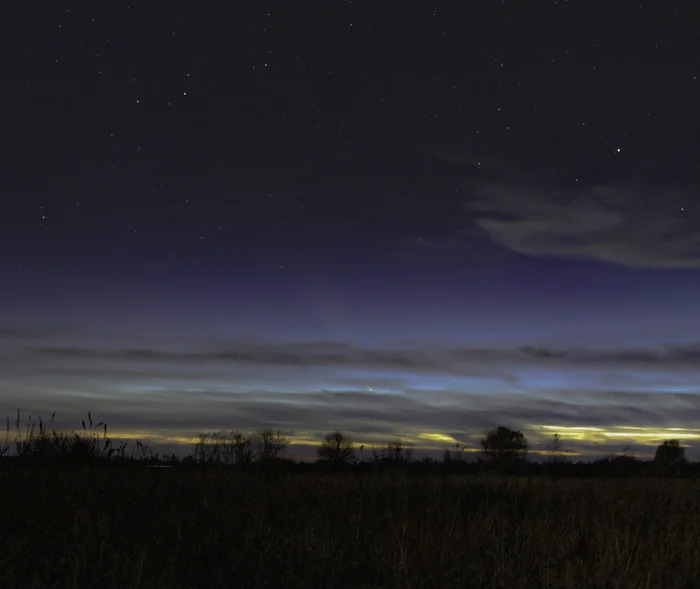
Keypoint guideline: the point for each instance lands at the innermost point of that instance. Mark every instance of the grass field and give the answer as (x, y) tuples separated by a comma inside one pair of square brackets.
[(108, 526)]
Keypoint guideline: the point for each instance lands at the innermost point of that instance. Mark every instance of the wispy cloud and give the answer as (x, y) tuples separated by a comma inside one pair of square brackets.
[(628, 224)]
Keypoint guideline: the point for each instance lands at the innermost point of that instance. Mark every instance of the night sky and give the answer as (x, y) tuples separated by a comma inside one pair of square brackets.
[(412, 220)]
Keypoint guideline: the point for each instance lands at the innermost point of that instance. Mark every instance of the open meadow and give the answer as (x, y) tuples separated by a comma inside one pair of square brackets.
[(112, 526)]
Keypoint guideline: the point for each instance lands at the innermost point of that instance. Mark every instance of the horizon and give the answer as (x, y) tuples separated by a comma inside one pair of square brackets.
[(304, 448)]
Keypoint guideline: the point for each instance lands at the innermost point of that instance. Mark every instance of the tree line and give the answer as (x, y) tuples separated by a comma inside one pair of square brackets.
[(502, 449)]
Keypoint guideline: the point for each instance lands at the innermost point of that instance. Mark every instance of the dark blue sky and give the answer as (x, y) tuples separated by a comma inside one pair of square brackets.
[(414, 223)]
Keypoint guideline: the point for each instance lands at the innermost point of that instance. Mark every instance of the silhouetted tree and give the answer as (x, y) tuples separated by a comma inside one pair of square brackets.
[(556, 450), (204, 450), (669, 457), (5, 447), (268, 444), (337, 448), (504, 446), (242, 449)]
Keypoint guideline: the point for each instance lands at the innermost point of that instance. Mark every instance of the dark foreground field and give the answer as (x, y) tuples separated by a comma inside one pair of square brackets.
[(122, 528)]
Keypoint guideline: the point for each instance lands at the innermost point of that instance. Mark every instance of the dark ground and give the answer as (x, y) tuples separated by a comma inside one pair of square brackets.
[(106, 527)]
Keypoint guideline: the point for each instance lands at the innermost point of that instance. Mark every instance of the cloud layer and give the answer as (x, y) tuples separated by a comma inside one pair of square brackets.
[(420, 395)]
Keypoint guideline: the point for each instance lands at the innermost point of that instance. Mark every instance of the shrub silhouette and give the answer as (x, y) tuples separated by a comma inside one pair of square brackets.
[(38, 444), (393, 452), (223, 447)]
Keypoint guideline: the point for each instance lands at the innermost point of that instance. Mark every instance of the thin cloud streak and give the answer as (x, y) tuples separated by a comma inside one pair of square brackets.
[(458, 361)]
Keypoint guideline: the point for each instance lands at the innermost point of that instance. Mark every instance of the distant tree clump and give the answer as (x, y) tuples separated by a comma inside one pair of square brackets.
[(504, 446), (337, 448), (669, 457)]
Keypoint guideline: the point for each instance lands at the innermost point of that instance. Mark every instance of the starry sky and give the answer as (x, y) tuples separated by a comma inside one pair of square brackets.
[(409, 222)]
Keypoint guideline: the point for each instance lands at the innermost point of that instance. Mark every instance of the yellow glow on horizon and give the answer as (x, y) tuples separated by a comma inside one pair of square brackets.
[(560, 453), (295, 441), (639, 435), (438, 438), (654, 435), (577, 428), (124, 435)]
